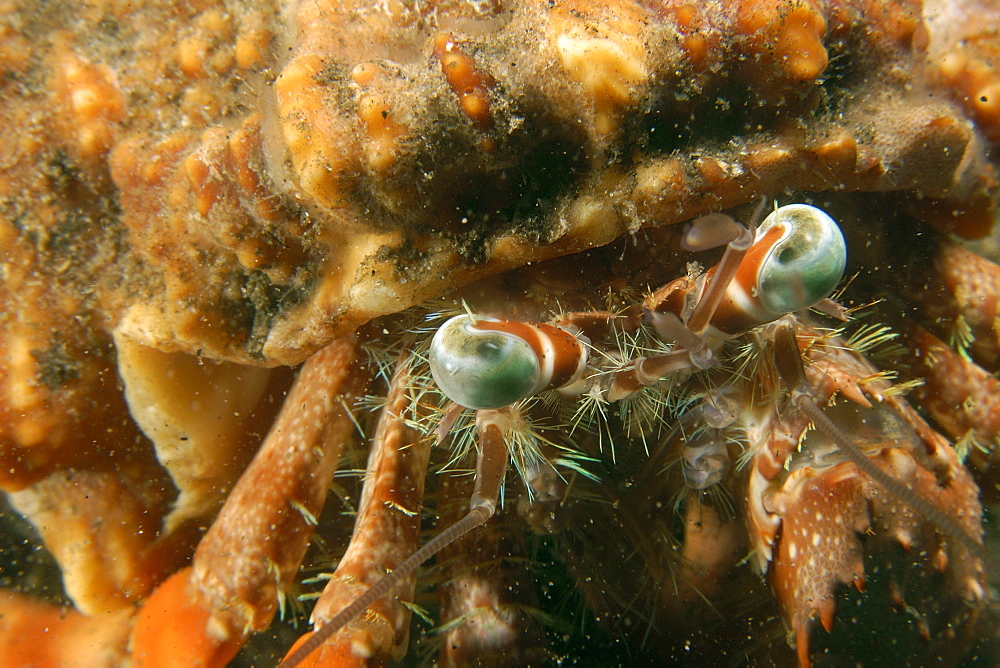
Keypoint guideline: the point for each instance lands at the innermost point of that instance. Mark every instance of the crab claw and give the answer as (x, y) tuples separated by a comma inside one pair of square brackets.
[(821, 517), (824, 514)]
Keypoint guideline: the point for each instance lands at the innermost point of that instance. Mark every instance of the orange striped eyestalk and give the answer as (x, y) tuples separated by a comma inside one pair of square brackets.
[(797, 258), (485, 363)]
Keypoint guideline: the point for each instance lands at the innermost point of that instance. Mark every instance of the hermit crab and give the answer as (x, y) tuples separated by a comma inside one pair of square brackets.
[(198, 197), (496, 366)]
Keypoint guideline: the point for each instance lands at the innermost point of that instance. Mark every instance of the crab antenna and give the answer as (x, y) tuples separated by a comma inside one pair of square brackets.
[(490, 469), (789, 363)]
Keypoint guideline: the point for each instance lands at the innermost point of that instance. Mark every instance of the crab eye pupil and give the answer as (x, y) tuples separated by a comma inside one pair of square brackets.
[(806, 264), (788, 254), (482, 369), (490, 350)]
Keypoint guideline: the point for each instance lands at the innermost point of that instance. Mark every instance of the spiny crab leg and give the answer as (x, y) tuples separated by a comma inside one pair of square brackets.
[(491, 466), (789, 365), (386, 531), (251, 553), (950, 380)]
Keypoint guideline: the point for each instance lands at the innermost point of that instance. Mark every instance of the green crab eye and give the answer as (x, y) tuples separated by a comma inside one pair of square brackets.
[(806, 263), (486, 363), (480, 368)]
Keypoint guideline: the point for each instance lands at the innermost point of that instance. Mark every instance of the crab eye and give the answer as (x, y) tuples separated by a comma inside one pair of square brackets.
[(806, 264), (487, 363)]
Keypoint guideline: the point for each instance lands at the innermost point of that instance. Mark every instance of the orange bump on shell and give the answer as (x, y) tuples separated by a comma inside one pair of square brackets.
[(94, 103), (976, 84), (784, 40), (242, 143), (952, 65), (383, 131), (685, 16), (802, 42), (766, 158), (713, 171), (986, 102), (251, 45), (698, 40), (838, 153), (364, 73), (221, 61), (190, 55), (205, 189), (246, 163), (477, 108), (696, 47), (900, 21), (199, 103), (658, 185), (469, 83)]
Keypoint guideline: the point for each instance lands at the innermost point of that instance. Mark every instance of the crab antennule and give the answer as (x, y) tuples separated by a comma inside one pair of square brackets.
[(719, 281)]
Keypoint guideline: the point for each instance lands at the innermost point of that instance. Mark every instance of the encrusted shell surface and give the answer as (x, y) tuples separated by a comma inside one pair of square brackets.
[(247, 181)]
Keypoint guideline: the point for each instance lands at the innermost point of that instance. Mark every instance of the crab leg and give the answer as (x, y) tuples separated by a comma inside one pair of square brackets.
[(950, 382), (249, 557), (961, 294), (386, 532), (101, 532), (33, 633), (491, 465)]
